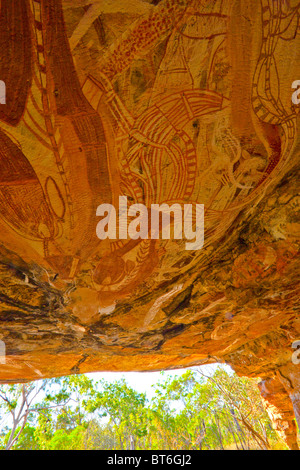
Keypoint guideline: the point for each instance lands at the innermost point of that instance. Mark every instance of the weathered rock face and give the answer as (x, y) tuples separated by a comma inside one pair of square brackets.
[(172, 101)]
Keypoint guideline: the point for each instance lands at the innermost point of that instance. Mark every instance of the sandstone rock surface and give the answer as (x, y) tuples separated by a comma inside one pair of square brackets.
[(169, 101)]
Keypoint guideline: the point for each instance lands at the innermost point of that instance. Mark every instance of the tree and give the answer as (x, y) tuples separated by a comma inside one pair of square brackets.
[(240, 398), (126, 410), (198, 410), (18, 401), (45, 399), (210, 411), (65, 419)]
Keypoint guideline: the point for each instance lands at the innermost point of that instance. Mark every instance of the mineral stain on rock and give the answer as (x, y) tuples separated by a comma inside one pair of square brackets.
[(162, 102)]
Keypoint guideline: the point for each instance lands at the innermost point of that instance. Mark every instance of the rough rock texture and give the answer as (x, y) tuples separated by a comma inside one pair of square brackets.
[(170, 101)]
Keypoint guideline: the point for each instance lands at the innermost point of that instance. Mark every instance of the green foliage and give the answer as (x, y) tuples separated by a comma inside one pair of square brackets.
[(191, 411), (62, 440), (27, 440), (213, 412), (125, 408)]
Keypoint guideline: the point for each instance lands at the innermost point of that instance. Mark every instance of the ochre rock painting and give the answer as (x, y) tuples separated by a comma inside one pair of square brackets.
[(169, 101)]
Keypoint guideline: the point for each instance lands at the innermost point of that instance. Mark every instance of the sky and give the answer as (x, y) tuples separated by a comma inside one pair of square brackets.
[(142, 381)]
